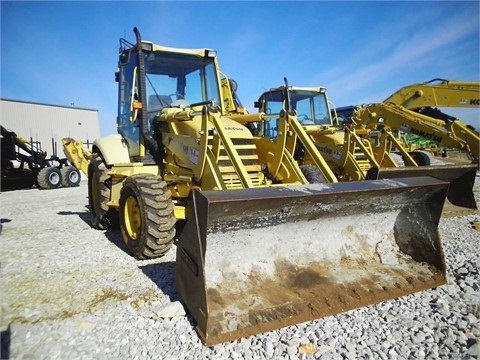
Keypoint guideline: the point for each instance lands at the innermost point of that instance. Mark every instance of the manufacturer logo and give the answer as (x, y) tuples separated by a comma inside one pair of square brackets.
[(469, 102), (426, 135)]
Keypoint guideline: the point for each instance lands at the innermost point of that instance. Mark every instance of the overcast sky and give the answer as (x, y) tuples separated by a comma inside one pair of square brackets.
[(66, 52)]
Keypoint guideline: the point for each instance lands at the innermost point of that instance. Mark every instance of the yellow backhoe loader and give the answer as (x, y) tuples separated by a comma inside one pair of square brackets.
[(278, 151), (350, 151), (254, 254)]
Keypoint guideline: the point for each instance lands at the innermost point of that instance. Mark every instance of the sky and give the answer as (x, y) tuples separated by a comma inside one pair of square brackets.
[(65, 52)]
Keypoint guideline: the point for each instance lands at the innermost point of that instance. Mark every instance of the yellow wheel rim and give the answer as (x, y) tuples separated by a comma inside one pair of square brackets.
[(133, 221)]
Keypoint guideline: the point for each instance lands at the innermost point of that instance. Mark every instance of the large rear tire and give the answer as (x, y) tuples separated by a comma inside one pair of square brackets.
[(102, 217), (147, 219), (49, 178), (70, 176)]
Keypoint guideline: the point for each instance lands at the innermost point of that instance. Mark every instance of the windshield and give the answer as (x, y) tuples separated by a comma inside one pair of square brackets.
[(179, 80), (311, 108), (172, 79)]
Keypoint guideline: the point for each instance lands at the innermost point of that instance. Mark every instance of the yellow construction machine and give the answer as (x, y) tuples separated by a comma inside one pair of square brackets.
[(354, 153), (437, 92), (410, 111), (255, 252), (346, 153), (278, 149)]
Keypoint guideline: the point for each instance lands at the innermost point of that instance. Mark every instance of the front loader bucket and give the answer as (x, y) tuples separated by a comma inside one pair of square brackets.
[(460, 177), (254, 260)]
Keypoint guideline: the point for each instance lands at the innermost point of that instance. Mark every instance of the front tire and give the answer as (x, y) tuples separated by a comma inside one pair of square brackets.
[(421, 158), (312, 174), (147, 219), (49, 178)]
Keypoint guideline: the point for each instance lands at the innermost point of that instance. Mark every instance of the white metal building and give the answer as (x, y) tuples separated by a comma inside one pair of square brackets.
[(43, 122)]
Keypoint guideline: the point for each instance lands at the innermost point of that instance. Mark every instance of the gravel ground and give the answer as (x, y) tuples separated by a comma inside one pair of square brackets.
[(69, 291)]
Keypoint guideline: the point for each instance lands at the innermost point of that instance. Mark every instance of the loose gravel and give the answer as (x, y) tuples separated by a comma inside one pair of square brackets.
[(69, 291)]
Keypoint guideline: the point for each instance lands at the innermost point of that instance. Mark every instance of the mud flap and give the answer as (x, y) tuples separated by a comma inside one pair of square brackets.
[(460, 177), (254, 260)]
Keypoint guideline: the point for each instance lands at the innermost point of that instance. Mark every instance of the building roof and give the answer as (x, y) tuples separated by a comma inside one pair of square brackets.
[(46, 104)]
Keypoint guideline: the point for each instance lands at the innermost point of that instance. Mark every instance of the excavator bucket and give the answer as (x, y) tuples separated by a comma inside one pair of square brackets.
[(254, 260), (460, 177)]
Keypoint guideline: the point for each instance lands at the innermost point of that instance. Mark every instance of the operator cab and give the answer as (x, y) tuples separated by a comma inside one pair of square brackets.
[(173, 78), (310, 106)]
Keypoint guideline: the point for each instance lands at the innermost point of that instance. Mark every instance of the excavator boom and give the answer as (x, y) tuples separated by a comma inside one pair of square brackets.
[(438, 92)]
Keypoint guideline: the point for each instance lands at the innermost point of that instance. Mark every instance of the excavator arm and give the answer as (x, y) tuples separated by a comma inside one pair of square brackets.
[(393, 117), (438, 92)]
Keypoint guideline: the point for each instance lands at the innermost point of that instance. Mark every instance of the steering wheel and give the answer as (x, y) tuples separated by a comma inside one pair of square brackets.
[(303, 117)]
